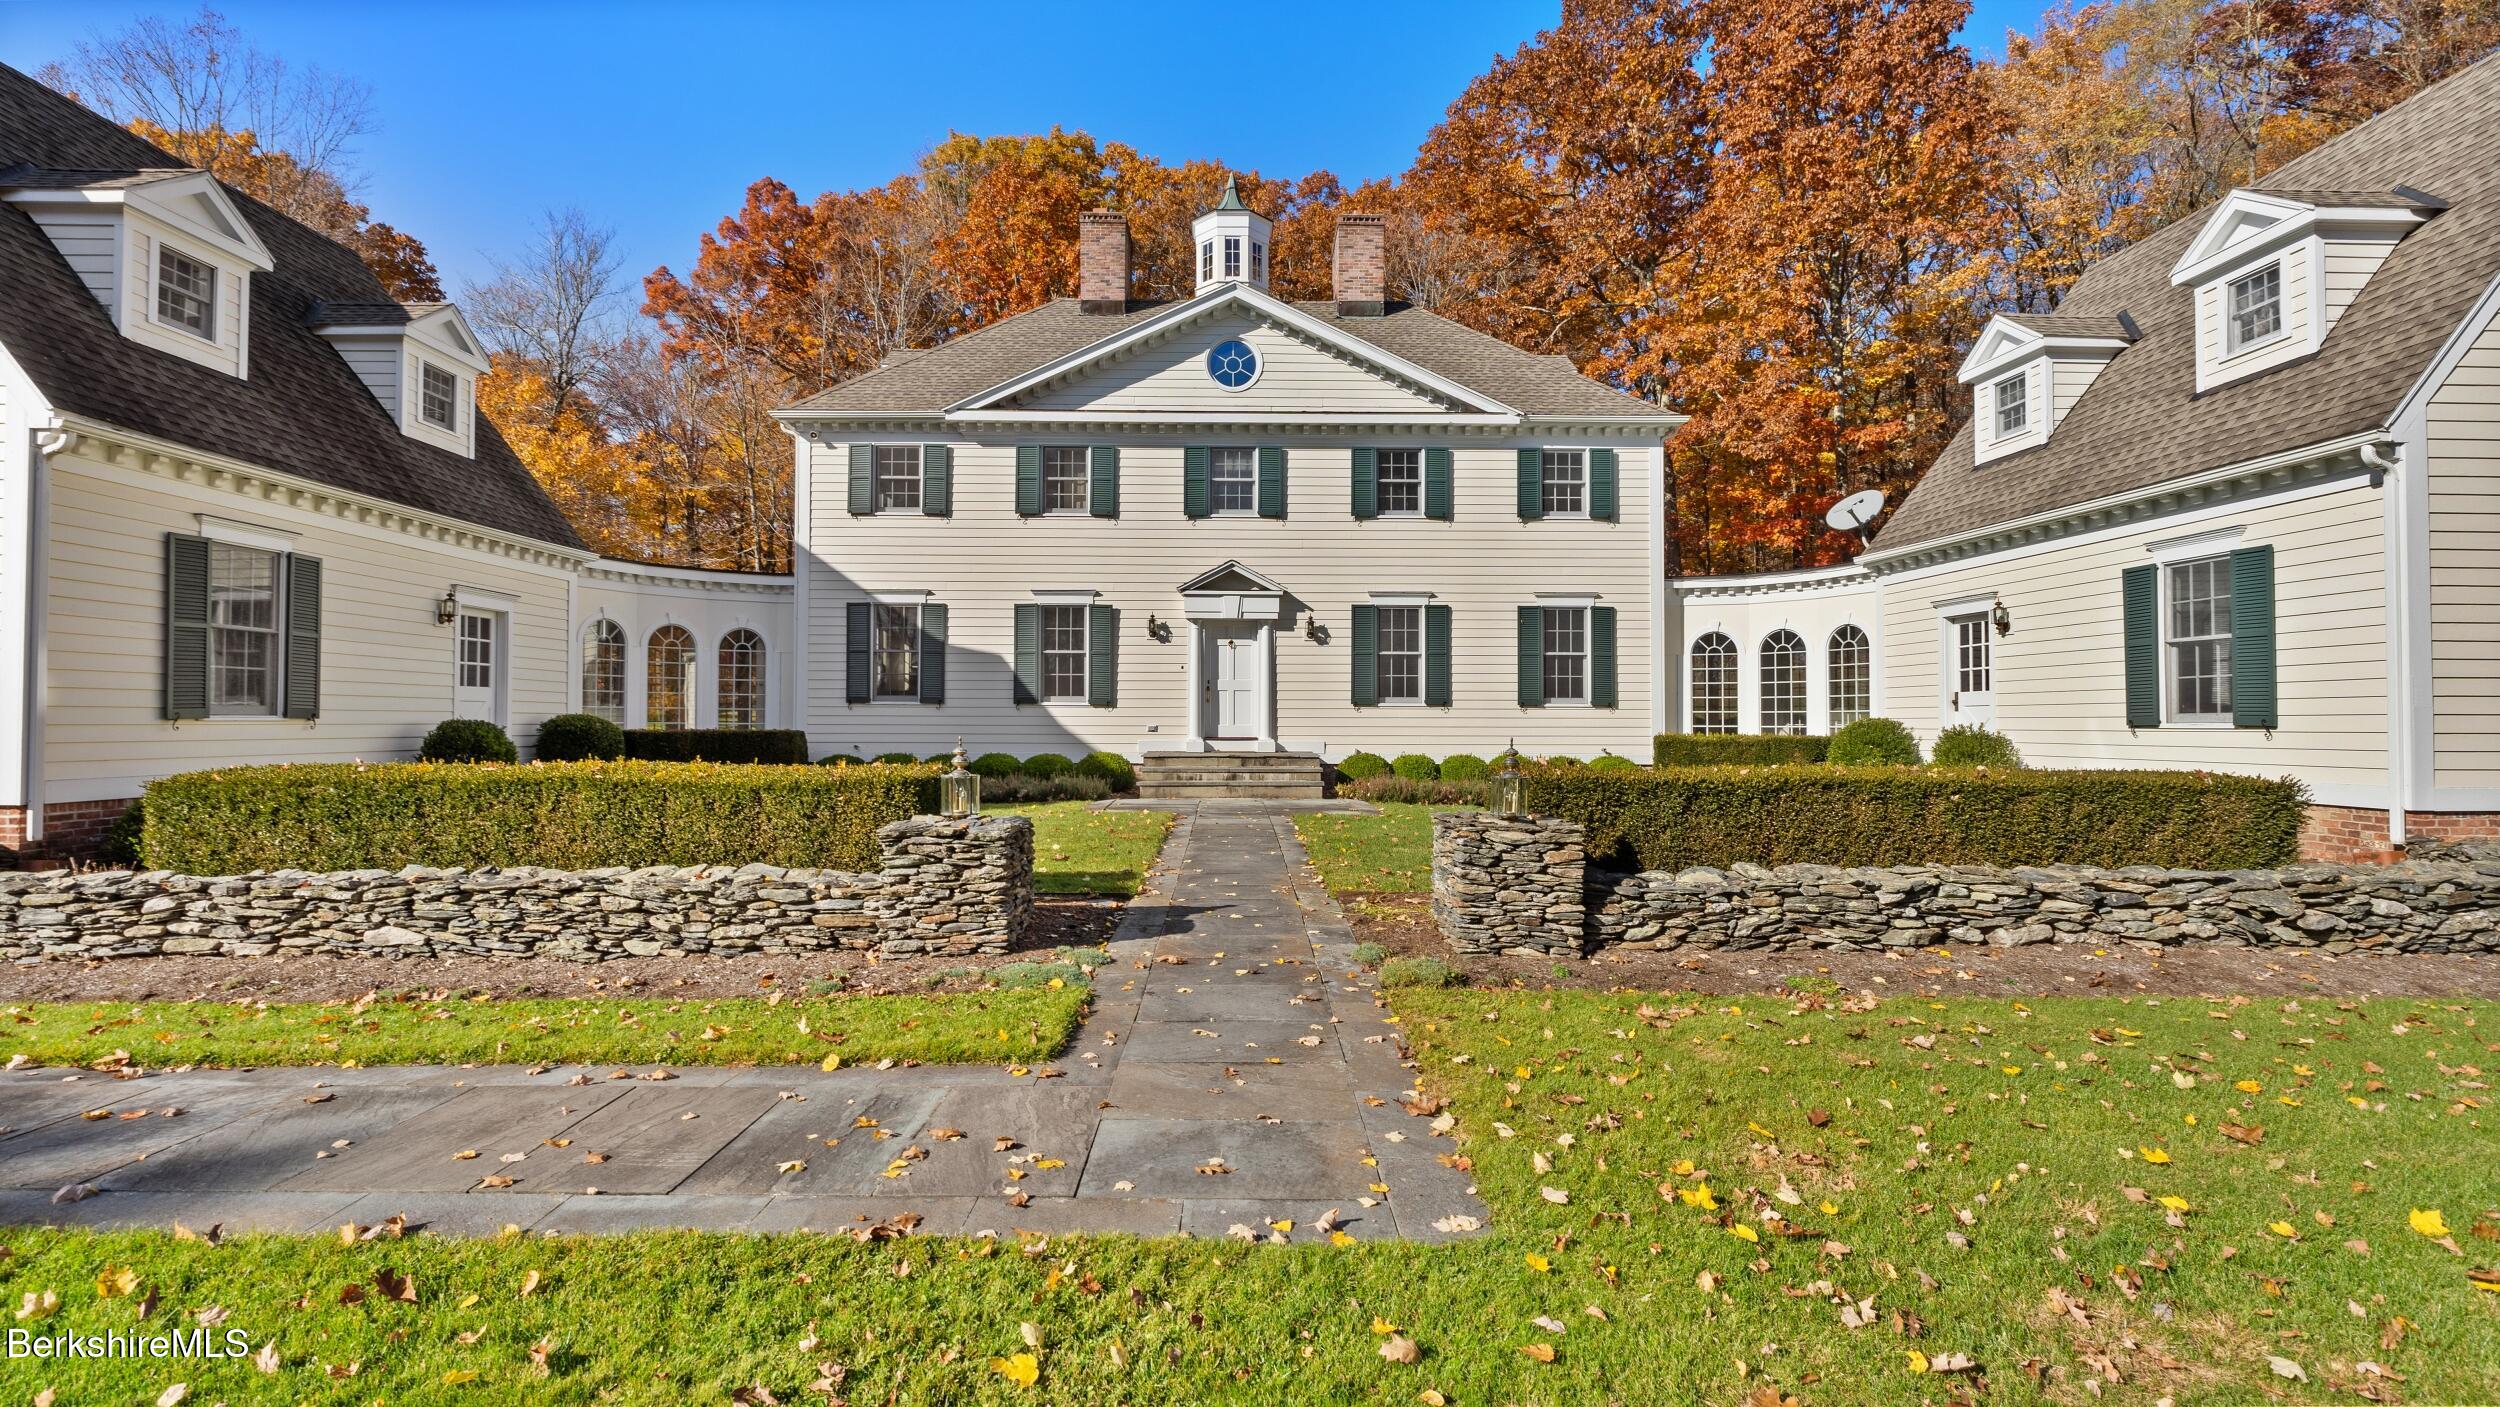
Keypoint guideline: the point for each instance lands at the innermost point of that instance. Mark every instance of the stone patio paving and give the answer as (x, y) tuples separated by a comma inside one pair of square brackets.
[(1234, 1072)]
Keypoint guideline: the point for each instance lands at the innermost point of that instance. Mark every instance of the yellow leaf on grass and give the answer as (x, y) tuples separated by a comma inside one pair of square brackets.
[(1023, 1369), (1339, 1238), (2011, 1069), (457, 1376), (1698, 1195), (1742, 1232), (2153, 1155), (1382, 1326), (2284, 1229), (2249, 1087), (2428, 1222), (1918, 1361), (1538, 1263), (2176, 1204), (832, 1062), (1541, 1352)]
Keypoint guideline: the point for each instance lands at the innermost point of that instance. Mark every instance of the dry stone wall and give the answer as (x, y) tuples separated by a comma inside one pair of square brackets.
[(948, 886), (1509, 884)]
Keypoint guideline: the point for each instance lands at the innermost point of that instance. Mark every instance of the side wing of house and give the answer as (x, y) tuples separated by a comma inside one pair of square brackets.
[(2459, 574)]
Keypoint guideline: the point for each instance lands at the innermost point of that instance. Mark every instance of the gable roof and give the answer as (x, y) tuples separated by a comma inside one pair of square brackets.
[(929, 383), (301, 412), (2142, 422)]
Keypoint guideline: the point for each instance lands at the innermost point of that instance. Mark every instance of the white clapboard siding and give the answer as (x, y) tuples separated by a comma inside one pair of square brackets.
[(1295, 377), (2349, 264), (2464, 490), (91, 242)]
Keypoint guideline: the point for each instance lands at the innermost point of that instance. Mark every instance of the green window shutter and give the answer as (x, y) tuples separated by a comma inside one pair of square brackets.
[(937, 480), (2142, 614), (1197, 497), (303, 636), (1105, 498), (1437, 656), (933, 654), (1437, 492), (186, 626), (1531, 656), (1366, 482), (1366, 655), (2252, 638), (863, 479), (1602, 656), (1531, 483), (1102, 656), (1602, 483), (1028, 481), (858, 620), (1028, 652), (1271, 481)]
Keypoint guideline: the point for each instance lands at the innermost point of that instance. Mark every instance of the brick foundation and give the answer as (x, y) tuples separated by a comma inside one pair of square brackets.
[(72, 830), (2357, 835)]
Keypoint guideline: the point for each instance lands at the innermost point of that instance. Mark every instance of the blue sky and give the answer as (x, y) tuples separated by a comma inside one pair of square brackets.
[(655, 117)]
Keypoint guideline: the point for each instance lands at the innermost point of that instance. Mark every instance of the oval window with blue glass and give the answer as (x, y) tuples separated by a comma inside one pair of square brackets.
[(1232, 364)]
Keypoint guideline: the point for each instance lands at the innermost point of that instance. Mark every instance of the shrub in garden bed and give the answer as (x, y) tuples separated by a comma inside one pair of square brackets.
[(1116, 772), (1358, 765), (1873, 742), (467, 740), (1673, 818), (579, 737), (1025, 786), (1970, 745), (1735, 749), (1465, 767), (1406, 789), (994, 765), (1415, 767), (716, 744), (561, 815), (1046, 764)]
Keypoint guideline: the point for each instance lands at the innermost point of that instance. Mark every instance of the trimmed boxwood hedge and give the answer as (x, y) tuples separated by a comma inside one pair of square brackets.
[(778, 745), (564, 815), (1735, 749), (1116, 772), (1672, 818)]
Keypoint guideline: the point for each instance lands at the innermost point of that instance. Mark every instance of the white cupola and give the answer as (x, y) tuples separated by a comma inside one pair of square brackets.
[(1233, 243)]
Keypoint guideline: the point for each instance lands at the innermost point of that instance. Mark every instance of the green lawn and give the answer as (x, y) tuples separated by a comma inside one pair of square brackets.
[(989, 1026), (1390, 853), (1975, 1175), (1077, 851)]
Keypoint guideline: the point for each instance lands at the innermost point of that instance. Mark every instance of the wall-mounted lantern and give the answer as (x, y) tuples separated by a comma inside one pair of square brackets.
[(2001, 618), (1510, 790), (959, 791), (1311, 630), (1157, 629), (447, 610)]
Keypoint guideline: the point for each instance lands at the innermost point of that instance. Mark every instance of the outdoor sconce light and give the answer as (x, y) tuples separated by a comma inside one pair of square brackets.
[(1510, 790), (959, 791), (2001, 618), (447, 610), (1157, 630), (1311, 630)]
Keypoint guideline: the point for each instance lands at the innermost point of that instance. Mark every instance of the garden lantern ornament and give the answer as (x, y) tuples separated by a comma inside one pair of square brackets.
[(959, 791), (1510, 790)]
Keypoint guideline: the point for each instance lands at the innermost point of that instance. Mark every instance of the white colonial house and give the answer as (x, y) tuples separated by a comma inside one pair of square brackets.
[(2235, 505)]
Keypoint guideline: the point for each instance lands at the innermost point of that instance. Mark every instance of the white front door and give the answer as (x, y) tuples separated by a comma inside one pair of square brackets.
[(478, 678), (1969, 671), (1236, 683)]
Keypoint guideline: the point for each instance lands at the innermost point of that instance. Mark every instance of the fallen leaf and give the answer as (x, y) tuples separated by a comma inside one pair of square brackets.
[(1398, 1348), (1022, 1369)]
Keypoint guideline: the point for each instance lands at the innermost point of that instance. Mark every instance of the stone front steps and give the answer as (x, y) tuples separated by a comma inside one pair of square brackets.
[(1203, 776)]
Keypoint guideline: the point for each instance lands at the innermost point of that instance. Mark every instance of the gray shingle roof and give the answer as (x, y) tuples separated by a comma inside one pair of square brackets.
[(2142, 423), (302, 411), (926, 383), (30, 177), (2074, 324)]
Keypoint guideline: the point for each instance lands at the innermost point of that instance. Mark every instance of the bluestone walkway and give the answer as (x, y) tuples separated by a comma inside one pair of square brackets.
[(1234, 1072)]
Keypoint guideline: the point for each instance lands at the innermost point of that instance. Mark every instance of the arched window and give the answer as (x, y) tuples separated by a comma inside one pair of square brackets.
[(742, 679), (1714, 684), (1853, 676), (1783, 683), (603, 670), (668, 688)]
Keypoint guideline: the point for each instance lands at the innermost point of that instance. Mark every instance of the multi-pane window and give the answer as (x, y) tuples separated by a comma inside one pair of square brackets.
[(2200, 638), (1853, 676), (898, 478), (439, 402), (2256, 306), (477, 650), (1401, 654), (897, 652), (186, 293), (2013, 397), (742, 679), (1783, 683), (1714, 684), (1566, 653), (1064, 478), (243, 629), (668, 686), (1206, 262), (1258, 262), (1232, 256), (1401, 483), (603, 671), (1063, 652), (1233, 479), (1566, 481), (1972, 667)]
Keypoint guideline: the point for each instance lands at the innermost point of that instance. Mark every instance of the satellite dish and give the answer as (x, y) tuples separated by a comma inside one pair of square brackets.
[(1852, 514)]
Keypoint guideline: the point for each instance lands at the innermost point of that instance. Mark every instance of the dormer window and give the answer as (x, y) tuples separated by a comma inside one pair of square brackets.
[(2256, 307), (186, 293), (440, 403), (420, 360), (2013, 404)]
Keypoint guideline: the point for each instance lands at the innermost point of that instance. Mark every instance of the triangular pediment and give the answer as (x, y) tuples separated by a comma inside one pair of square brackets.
[(1229, 577), (2001, 341), (195, 204)]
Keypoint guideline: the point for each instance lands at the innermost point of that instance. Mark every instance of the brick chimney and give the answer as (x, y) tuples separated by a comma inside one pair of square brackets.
[(1102, 261), (1362, 269)]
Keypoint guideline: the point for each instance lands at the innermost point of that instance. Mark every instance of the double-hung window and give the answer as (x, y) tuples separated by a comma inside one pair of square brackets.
[(186, 293), (2013, 404), (1401, 483), (898, 478), (1064, 478), (1258, 262), (1400, 655), (245, 629), (1206, 262), (2256, 312), (1566, 488), (603, 671), (439, 394), (2199, 638), (1232, 256), (1063, 654), (897, 647), (1233, 480), (1566, 654), (742, 679), (668, 678)]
